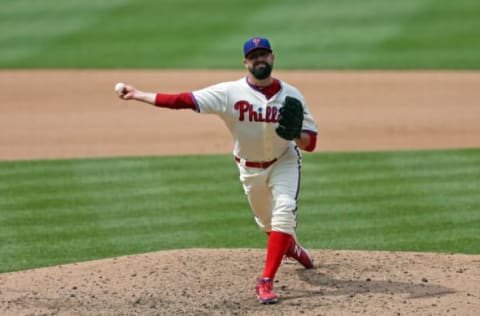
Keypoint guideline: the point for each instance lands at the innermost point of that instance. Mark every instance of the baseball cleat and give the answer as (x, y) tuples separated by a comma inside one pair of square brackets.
[(298, 253), (264, 291)]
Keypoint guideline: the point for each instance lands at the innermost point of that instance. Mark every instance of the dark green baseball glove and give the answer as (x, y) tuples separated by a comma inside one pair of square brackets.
[(291, 119)]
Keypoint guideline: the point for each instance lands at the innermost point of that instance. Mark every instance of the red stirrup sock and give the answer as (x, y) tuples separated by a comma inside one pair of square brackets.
[(278, 244)]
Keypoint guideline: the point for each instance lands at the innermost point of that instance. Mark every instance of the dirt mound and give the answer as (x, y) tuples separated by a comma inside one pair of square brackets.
[(221, 282)]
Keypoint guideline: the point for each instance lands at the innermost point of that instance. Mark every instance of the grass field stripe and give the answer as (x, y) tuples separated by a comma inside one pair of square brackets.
[(409, 34), (114, 206)]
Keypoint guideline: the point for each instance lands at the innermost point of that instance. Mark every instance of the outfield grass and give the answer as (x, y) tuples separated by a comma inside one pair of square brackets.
[(309, 34), (54, 212)]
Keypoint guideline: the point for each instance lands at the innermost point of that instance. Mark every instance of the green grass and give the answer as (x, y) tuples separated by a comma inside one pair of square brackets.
[(309, 34), (59, 211), (420, 201)]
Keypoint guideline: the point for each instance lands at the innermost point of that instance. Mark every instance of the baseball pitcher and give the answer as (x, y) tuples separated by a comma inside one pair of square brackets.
[(270, 123)]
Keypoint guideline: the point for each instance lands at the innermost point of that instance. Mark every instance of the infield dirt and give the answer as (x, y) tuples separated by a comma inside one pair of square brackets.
[(49, 114)]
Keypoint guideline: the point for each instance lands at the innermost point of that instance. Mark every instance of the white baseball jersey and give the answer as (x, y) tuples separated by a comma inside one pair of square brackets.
[(250, 117)]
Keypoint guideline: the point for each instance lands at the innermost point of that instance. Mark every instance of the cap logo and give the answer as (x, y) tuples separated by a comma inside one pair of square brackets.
[(256, 41)]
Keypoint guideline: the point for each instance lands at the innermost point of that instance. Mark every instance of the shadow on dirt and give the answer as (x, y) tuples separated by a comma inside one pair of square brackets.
[(329, 286)]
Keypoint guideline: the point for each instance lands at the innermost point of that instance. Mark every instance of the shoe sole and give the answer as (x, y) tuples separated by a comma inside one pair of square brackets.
[(267, 302)]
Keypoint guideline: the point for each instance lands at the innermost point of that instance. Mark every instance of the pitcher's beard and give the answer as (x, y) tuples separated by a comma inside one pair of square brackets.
[(261, 73)]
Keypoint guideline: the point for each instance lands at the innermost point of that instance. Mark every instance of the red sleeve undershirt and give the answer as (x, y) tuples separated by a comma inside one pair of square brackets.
[(179, 101), (185, 100), (313, 141)]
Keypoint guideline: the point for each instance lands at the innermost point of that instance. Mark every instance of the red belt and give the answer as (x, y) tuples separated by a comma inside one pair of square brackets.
[(256, 164)]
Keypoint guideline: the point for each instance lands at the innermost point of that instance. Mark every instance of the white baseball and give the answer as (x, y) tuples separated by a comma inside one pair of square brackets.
[(119, 87)]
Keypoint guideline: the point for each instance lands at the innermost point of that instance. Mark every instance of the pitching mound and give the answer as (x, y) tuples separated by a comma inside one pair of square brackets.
[(221, 282)]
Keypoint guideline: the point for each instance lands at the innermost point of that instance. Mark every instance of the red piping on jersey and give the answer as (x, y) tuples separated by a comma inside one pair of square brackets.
[(179, 101)]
